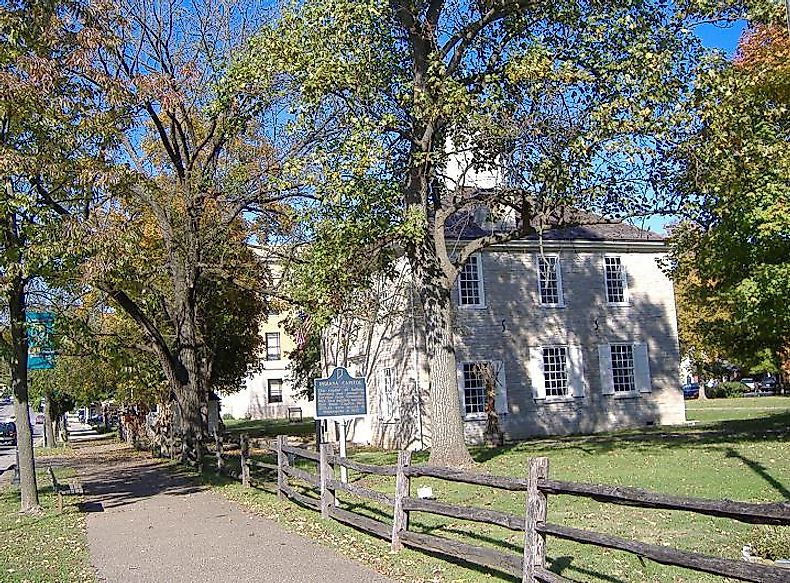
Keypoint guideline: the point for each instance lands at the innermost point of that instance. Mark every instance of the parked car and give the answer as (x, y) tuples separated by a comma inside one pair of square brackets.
[(770, 384), (691, 391), (751, 383), (97, 419), (8, 432)]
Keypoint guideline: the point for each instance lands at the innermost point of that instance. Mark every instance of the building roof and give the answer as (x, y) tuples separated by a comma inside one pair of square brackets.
[(464, 226)]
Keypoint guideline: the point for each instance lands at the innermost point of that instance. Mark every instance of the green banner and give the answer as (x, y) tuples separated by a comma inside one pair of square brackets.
[(40, 345)]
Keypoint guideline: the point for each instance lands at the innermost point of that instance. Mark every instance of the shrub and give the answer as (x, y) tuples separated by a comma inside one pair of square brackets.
[(227, 416), (771, 542), (726, 390)]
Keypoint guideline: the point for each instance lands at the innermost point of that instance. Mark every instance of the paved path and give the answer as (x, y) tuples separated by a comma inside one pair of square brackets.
[(148, 525)]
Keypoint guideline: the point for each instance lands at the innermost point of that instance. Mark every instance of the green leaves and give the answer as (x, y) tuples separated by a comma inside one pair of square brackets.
[(734, 265)]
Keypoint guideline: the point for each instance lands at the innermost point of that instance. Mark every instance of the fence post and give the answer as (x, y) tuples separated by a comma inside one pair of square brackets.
[(535, 542), (244, 445), (218, 450), (327, 473), (400, 517), (282, 461)]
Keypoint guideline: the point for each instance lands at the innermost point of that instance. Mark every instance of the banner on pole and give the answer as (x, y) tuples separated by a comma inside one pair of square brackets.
[(40, 340)]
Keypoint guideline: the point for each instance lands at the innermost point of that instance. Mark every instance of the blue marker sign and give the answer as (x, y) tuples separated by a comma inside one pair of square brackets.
[(340, 395), (40, 346)]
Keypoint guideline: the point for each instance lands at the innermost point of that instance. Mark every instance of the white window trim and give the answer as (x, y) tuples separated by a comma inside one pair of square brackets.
[(569, 394), (502, 407), (577, 379), (626, 294), (560, 291), (642, 377), (279, 346), (481, 282), (269, 392)]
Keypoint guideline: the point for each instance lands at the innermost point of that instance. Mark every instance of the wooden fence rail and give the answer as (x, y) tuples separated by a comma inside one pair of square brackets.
[(319, 491)]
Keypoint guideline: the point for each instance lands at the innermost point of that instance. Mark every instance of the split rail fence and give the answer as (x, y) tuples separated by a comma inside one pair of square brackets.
[(320, 491)]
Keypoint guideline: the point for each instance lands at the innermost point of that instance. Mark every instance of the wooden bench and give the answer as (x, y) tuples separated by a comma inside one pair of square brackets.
[(73, 488)]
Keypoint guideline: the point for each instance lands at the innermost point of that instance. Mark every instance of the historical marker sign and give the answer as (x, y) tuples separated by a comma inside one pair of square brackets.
[(40, 330), (340, 395)]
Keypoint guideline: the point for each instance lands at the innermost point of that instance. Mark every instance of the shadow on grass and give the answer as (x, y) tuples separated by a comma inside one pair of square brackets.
[(561, 564), (760, 470), (770, 427), (272, 427)]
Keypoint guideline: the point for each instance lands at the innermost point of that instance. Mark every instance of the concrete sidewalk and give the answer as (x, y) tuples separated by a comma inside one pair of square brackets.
[(146, 524)]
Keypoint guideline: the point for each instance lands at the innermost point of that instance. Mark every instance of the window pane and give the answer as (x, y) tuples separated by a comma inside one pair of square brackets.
[(555, 371), (469, 283), (474, 388), (548, 281), (623, 368), (275, 391), (615, 281), (272, 346)]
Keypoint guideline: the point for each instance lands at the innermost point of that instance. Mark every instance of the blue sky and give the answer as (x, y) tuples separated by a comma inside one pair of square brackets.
[(724, 38), (718, 37)]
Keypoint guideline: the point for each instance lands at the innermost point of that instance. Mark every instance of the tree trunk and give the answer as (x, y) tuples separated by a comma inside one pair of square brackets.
[(49, 432), (448, 447), (27, 466)]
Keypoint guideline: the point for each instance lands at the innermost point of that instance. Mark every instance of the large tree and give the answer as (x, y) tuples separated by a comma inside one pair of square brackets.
[(732, 254), (52, 135), (568, 105), (199, 169)]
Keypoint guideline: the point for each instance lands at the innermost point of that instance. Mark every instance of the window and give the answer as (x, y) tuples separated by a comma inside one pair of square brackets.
[(272, 346), (623, 368), (549, 281), (470, 283), (474, 388), (615, 280), (475, 379), (555, 371), (275, 391), (388, 397)]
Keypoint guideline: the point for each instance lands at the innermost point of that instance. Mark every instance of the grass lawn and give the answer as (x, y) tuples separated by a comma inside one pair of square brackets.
[(50, 548), (271, 427), (738, 449)]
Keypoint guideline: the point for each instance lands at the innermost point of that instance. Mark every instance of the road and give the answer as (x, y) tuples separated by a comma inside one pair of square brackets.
[(8, 453)]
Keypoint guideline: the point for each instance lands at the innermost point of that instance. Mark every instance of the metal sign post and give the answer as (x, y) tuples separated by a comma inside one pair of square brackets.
[(341, 397)]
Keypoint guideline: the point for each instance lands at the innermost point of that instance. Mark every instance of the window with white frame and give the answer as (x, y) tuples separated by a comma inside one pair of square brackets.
[(272, 346), (615, 280), (388, 396), (470, 283), (623, 377), (555, 371), (275, 394), (549, 280), (474, 387)]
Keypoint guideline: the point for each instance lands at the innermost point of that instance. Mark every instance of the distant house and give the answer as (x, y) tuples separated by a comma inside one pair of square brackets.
[(269, 394), (578, 329)]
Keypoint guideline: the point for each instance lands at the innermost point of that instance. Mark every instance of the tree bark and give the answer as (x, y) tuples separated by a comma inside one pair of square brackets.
[(448, 447), (27, 466)]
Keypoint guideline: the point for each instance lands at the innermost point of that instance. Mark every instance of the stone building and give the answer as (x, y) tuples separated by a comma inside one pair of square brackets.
[(578, 329)]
